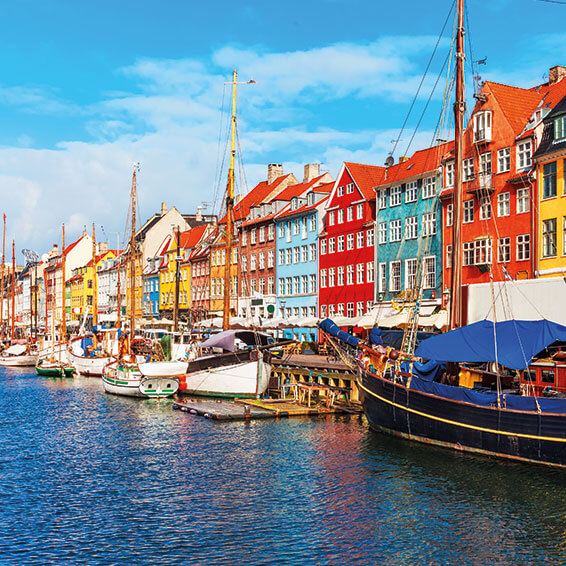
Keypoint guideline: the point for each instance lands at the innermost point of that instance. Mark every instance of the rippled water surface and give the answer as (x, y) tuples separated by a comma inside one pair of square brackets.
[(93, 478)]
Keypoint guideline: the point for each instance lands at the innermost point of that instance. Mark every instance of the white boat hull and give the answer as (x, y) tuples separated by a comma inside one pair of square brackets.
[(19, 361), (243, 380), (163, 369), (90, 367), (131, 383)]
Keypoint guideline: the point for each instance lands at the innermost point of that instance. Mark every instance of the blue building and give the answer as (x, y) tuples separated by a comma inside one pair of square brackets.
[(297, 227), (409, 233), (151, 282)]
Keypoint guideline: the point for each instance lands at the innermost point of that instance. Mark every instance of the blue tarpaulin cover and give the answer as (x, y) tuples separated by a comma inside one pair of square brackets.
[(516, 342), (330, 328)]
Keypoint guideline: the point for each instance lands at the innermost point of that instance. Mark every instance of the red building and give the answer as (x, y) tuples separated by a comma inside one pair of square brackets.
[(200, 280), (498, 209), (346, 244)]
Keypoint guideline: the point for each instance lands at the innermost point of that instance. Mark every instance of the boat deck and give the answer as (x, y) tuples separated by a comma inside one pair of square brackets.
[(252, 409)]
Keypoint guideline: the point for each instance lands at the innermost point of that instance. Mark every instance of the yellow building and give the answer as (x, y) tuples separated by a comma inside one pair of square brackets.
[(81, 286), (550, 161), (178, 253)]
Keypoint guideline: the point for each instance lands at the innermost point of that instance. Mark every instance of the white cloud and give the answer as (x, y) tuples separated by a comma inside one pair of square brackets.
[(169, 121)]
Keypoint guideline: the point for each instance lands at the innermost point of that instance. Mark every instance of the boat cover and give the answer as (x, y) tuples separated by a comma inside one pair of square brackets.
[(227, 339), (15, 350), (329, 327), (489, 398), (512, 343)]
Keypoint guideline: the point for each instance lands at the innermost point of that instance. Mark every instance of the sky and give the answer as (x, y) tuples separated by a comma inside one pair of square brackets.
[(87, 89)]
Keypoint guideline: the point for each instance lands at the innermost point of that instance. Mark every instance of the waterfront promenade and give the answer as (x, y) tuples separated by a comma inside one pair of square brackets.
[(99, 479)]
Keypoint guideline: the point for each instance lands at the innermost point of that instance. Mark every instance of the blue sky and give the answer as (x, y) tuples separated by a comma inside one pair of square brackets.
[(87, 88)]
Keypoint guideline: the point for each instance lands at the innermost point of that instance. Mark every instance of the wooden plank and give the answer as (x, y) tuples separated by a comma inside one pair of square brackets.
[(221, 410)]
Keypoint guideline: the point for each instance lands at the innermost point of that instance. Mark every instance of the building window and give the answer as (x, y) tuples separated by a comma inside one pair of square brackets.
[(359, 308), (245, 261), (395, 276), (549, 237), (323, 246), (504, 204), (360, 211), (288, 256), (360, 240), (482, 126), (382, 277), (410, 273), (485, 208), (245, 237), (523, 200), (350, 275), (429, 187), (281, 286), (468, 169), (262, 286), (331, 246), (449, 256), (304, 254), (296, 285), (468, 211), (261, 259), (560, 128), (350, 242), (323, 311), (370, 238), (262, 234), (449, 214), (429, 224), (271, 232), (304, 284), (395, 196), (253, 236), (331, 277), (504, 160), (429, 272), (323, 278), (296, 255), (340, 243), (330, 218), (524, 155), (395, 230), (411, 225), (382, 199), (485, 163), (549, 180), (477, 252), (504, 250), (369, 272), (340, 275), (312, 283), (340, 217), (382, 232), (253, 261), (340, 192), (350, 213), (350, 310), (360, 273), (349, 188), (312, 252), (411, 192), (312, 223), (340, 309), (450, 174)]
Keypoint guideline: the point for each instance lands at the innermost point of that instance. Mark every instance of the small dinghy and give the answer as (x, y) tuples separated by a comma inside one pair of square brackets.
[(53, 368)]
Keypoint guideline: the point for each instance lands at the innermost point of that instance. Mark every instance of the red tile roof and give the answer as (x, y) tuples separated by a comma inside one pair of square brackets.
[(296, 190), (71, 246), (103, 255), (366, 177), (324, 188), (422, 161)]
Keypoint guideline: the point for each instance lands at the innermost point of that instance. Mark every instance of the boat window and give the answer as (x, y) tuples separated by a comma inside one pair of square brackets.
[(530, 375), (548, 376)]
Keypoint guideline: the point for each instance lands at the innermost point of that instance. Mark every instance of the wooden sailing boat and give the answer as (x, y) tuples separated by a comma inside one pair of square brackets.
[(122, 375), (401, 395), (243, 368)]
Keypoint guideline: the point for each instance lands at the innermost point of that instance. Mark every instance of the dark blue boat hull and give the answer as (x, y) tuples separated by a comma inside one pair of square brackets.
[(519, 435)]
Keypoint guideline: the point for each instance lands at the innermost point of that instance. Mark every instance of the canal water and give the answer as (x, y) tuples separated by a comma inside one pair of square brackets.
[(87, 477)]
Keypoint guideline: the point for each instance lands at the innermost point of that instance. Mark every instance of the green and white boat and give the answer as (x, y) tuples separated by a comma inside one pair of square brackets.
[(54, 368)]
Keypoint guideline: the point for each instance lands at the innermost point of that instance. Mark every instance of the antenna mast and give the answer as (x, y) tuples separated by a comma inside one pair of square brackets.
[(459, 110), (94, 280), (133, 253), (230, 206)]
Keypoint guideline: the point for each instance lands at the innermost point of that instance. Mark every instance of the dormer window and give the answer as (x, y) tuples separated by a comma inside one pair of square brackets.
[(340, 192), (482, 126), (349, 188), (560, 128), (310, 199), (294, 203)]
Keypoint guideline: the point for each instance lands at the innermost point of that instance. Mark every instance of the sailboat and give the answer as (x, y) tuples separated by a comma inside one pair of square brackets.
[(403, 396), (122, 375), (243, 368)]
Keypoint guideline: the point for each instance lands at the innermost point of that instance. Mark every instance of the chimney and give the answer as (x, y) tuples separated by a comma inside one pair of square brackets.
[(102, 247), (403, 158), (163, 208), (198, 215), (556, 73), (274, 170), (312, 170), (54, 252)]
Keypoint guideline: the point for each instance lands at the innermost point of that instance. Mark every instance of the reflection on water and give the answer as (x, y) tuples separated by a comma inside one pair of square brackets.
[(96, 478)]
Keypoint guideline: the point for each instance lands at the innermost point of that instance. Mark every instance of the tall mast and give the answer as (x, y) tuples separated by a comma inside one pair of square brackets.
[(133, 254), (230, 207), (63, 330), (2, 274), (119, 286), (177, 273), (13, 291), (94, 280), (459, 110)]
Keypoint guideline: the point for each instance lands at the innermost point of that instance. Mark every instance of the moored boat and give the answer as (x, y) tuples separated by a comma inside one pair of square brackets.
[(18, 355), (53, 368)]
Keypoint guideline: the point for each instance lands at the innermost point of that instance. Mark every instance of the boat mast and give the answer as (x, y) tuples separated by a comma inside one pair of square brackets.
[(13, 291), (63, 330), (94, 281), (177, 273), (459, 110), (132, 258), (230, 207), (2, 275), (119, 286)]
